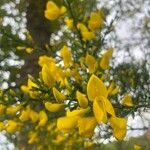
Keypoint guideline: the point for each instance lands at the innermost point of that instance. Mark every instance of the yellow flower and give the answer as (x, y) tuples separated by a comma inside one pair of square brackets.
[(69, 23), (47, 76), (58, 96), (82, 100), (137, 147), (104, 63), (25, 89), (52, 11), (54, 107), (99, 111), (86, 126), (115, 91), (32, 137), (12, 110), (119, 126), (43, 118), (96, 21), (12, 126), (96, 88), (59, 139), (102, 106), (112, 90), (91, 63), (2, 109), (29, 50), (127, 101), (82, 27), (20, 48), (66, 55), (33, 115), (29, 89), (66, 124), (50, 72), (64, 83), (59, 75), (86, 34), (78, 112), (45, 60), (24, 116), (70, 122)]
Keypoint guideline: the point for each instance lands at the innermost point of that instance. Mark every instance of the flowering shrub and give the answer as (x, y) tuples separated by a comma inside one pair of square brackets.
[(74, 94)]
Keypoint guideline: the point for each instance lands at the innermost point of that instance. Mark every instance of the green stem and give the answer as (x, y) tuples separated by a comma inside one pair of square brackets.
[(75, 22)]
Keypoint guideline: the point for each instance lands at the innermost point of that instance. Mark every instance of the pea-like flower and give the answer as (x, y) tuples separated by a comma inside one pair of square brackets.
[(53, 12)]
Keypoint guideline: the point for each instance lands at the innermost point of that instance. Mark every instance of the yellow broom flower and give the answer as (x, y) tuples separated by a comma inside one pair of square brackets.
[(86, 34), (54, 107), (82, 100), (102, 106), (12, 110), (52, 11), (127, 101), (86, 126), (119, 126), (96, 88), (96, 21), (47, 76), (69, 23), (58, 95), (66, 55), (137, 147), (45, 60), (28, 89), (66, 124), (78, 112), (43, 118), (104, 63), (24, 116), (12, 126), (91, 63)]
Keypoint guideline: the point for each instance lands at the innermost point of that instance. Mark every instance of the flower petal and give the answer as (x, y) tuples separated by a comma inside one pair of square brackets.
[(66, 55), (66, 124), (108, 106), (47, 76), (78, 112), (127, 101), (87, 126), (52, 11), (91, 63), (54, 107), (99, 111), (83, 102), (104, 63), (96, 21), (58, 96), (119, 126), (43, 118), (96, 88)]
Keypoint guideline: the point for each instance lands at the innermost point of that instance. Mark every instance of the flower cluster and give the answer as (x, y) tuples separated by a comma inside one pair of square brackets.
[(73, 94)]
